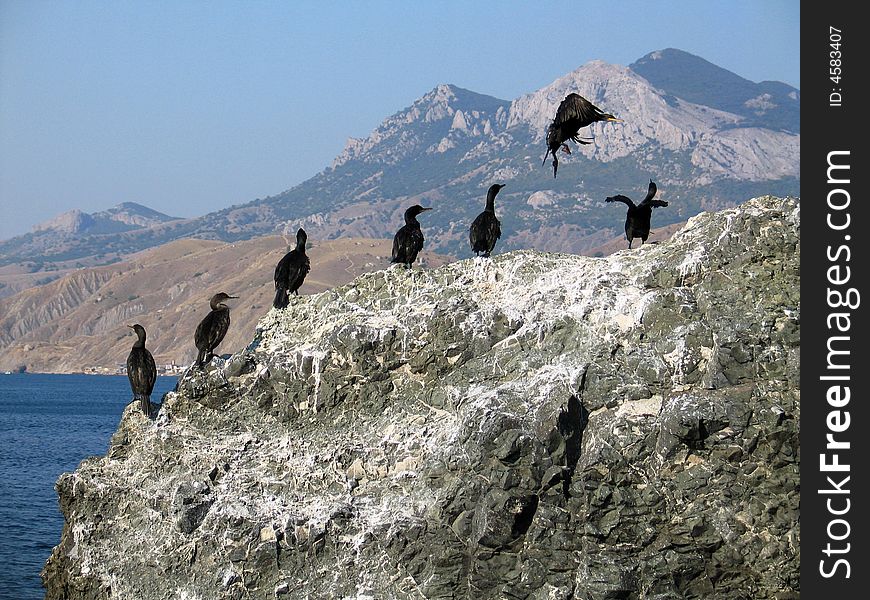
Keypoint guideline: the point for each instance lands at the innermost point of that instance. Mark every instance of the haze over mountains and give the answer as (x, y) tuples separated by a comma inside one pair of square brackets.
[(707, 136)]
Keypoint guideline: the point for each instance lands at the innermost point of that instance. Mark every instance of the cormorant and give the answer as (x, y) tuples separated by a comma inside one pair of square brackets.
[(211, 330), (486, 229), (291, 271), (574, 112), (638, 217), (409, 239), (141, 370)]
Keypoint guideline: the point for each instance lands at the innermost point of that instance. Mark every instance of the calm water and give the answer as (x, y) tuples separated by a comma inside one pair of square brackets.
[(48, 425)]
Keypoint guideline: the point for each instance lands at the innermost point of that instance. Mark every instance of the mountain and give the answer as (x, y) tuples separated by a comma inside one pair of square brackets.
[(533, 426), (437, 122), (74, 240), (769, 104), (78, 322), (443, 153), (123, 217), (705, 151)]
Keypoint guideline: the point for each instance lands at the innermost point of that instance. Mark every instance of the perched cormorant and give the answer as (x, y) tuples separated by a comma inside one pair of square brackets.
[(574, 112), (291, 271), (409, 239), (211, 330), (638, 217), (486, 229), (141, 370)]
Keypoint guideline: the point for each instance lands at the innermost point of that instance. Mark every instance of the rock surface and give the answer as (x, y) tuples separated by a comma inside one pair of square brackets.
[(531, 426)]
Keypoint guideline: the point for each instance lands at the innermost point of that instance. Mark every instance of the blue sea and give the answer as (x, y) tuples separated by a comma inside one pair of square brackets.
[(48, 425)]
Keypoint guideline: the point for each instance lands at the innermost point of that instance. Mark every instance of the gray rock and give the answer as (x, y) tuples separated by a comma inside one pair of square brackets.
[(532, 426)]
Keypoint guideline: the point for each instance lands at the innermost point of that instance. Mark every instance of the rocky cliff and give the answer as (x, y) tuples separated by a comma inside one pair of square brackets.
[(532, 426)]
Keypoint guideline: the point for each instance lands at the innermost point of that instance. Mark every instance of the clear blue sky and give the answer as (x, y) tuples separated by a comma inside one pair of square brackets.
[(192, 106)]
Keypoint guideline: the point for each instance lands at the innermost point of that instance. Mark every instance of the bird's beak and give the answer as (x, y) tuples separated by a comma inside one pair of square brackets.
[(615, 120), (428, 208), (231, 297), (131, 327)]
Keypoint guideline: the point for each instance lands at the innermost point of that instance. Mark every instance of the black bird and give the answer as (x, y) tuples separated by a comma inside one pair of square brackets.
[(211, 330), (409, 239), (290, 271), (141, 370), (574, 112), (638, 217), (486, 229)]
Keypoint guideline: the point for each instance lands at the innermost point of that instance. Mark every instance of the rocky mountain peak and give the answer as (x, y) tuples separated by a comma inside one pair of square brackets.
[(132, 213), (123, 217), (768, 104), (427, 125), (71, 221), (537, 109), (648, 114)]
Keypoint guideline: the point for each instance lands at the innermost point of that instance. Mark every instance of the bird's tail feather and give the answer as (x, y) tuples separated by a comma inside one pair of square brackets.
[(145, 403), (281, 298)]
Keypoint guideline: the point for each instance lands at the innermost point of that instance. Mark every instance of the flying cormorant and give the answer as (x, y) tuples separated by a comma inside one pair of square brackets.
[(409, 239), (486, 229), (291, 271), (574, 112), (638, 217), (211, 330), (141, 370)]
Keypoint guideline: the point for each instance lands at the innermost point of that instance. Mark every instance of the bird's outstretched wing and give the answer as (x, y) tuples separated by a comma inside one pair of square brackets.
[(620, 198), (576, 109), (651, 192)]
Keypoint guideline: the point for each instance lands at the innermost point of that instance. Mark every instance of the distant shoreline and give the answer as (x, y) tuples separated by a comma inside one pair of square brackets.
[(82, 373)]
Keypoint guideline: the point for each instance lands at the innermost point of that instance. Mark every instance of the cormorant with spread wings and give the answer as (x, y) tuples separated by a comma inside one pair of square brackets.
[(638, 217), (574, 112)]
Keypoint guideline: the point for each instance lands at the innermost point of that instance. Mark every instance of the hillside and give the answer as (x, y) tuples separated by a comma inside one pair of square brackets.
[(78, 322), (73, 240), (769, 104), (706, 151), (538, 425)]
